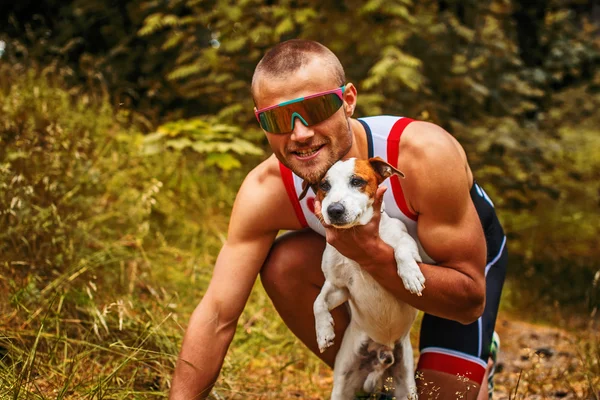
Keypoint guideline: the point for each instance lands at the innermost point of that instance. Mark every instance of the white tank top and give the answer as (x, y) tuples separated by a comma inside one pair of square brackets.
[(383, 137)]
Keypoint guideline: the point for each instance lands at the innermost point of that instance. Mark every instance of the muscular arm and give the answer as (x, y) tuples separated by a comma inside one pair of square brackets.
[(437, 189), (212, 325), (213, 322)]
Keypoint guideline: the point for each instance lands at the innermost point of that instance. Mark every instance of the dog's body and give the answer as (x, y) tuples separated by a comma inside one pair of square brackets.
[(377, 341)]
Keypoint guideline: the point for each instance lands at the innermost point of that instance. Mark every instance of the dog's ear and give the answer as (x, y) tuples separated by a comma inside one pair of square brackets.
[(384, 169), (305, 187)]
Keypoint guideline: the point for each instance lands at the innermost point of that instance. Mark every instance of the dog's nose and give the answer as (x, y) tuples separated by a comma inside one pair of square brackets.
[(336, 210)]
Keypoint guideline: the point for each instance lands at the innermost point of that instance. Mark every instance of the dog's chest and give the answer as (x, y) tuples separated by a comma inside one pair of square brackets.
[(344, 272)]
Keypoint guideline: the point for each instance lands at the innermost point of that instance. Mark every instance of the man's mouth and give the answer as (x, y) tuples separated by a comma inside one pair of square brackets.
[(307, 153)]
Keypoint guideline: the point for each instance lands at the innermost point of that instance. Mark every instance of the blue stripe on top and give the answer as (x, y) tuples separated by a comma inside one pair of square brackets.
[(369, 138)]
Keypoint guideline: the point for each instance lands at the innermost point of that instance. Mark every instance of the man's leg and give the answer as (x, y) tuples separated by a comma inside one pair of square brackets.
[(430, 384), (292, 277), (454, 360)]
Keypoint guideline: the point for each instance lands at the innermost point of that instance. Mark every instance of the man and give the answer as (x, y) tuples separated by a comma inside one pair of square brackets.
[(305, 106)]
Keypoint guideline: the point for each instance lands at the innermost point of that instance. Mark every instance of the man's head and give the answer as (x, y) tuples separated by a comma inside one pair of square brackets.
[(289, 72)]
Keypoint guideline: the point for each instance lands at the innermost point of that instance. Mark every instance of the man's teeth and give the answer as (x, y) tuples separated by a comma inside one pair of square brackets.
[(306, 153)]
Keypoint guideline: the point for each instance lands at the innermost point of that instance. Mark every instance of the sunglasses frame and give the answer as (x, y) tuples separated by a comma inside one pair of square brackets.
[(339, 91)]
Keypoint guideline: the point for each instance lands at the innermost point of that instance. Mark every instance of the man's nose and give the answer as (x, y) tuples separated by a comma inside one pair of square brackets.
[(301, 132)]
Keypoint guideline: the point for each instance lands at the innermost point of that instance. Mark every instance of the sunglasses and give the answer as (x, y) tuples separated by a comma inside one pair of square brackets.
[(310, 110)]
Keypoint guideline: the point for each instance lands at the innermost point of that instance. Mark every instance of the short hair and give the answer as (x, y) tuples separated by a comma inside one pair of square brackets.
[(289, 56)]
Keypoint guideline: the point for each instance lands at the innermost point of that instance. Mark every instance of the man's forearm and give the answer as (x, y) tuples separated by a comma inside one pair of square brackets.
[(204, 347), (448, 293)]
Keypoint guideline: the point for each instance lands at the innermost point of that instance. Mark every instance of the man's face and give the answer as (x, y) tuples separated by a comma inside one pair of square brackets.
[(308, 151)]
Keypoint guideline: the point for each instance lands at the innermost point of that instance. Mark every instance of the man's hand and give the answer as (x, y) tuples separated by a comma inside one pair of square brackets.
[(359, 243)]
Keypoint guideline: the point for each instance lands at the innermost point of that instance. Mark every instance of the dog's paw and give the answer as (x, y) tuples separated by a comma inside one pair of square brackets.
[(325, 333), (412, 277)]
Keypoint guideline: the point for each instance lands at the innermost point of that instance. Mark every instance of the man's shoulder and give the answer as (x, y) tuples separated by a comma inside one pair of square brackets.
[(262, 201), (422, 135), (426, 143), (432, 159), (264, 174), (263, 183)]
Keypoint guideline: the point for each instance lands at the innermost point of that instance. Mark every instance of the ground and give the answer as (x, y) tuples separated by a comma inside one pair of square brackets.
[(543, 362)]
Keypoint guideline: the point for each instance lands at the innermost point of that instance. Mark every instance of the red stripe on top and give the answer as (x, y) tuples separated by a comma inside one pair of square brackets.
[(392, 156), (288, 182), (452, 365)]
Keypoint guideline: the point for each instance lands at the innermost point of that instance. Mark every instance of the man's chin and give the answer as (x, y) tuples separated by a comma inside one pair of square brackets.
[(310, 172)]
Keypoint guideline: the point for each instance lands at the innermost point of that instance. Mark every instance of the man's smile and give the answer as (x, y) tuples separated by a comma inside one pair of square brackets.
[(308, 152)]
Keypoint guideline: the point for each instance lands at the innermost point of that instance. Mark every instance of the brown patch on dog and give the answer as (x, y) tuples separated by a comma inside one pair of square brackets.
[(320, 194), (384, 169), (364, 170), (305, 187)]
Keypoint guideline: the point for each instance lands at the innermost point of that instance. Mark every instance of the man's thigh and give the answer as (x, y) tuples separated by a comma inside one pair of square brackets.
[(292, 277)]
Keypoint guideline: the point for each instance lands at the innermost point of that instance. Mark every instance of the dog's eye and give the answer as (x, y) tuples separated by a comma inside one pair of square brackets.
[(357, 182), (324, 186)]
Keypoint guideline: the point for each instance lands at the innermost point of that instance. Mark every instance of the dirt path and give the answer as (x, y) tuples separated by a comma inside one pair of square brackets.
[(542, 362)]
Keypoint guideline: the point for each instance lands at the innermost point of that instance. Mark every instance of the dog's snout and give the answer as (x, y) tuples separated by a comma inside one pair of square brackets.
[(336, 210)]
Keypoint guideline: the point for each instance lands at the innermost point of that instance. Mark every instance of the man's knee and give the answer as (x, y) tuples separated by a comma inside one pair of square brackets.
[(294, 257)]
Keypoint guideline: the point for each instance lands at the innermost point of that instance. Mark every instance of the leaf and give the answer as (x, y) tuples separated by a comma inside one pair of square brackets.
[(223, 161), (152, 23), (370, 6), (179, 144), (174, 39), (245, 147), (153, 137), (184, 71), (152, 149), (285, 26)]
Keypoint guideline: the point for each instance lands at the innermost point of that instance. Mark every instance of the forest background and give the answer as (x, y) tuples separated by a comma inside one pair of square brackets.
[(126, 127)]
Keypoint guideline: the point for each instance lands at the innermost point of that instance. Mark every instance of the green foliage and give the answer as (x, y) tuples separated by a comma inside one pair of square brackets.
[(221, 143)]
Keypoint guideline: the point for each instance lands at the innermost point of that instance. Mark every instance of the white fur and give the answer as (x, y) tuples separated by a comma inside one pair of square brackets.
[(379, 322)]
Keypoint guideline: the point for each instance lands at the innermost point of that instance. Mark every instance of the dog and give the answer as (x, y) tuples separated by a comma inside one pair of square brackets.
[(376, 345)]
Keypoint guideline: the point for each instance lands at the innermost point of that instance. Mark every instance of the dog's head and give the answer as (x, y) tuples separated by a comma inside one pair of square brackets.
[(347, 191)]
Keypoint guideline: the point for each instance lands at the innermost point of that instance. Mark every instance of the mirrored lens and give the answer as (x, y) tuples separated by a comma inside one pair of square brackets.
[(314, 110)]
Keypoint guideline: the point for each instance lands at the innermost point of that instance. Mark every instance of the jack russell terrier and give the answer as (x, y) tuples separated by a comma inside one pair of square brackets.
[(376, 344)]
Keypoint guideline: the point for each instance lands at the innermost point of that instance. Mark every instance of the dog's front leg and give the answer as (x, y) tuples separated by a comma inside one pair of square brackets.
[(330, 297), (406, 253), (409, 271)]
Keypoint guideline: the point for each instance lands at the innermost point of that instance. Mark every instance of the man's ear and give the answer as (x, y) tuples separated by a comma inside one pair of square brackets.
[(384, 170), (350, 96), (305, 187)]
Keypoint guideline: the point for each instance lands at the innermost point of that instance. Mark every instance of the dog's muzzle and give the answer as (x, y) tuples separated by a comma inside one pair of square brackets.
[(336, 212)]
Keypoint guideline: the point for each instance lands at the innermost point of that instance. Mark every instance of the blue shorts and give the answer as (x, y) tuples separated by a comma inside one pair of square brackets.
[(451, 347)]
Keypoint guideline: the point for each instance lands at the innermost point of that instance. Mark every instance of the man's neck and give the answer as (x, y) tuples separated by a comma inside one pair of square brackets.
[(360, 147)]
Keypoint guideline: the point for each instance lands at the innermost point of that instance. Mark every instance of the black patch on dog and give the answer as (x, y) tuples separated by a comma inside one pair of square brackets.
[(367, 358), (348, 373), (398, 352)]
